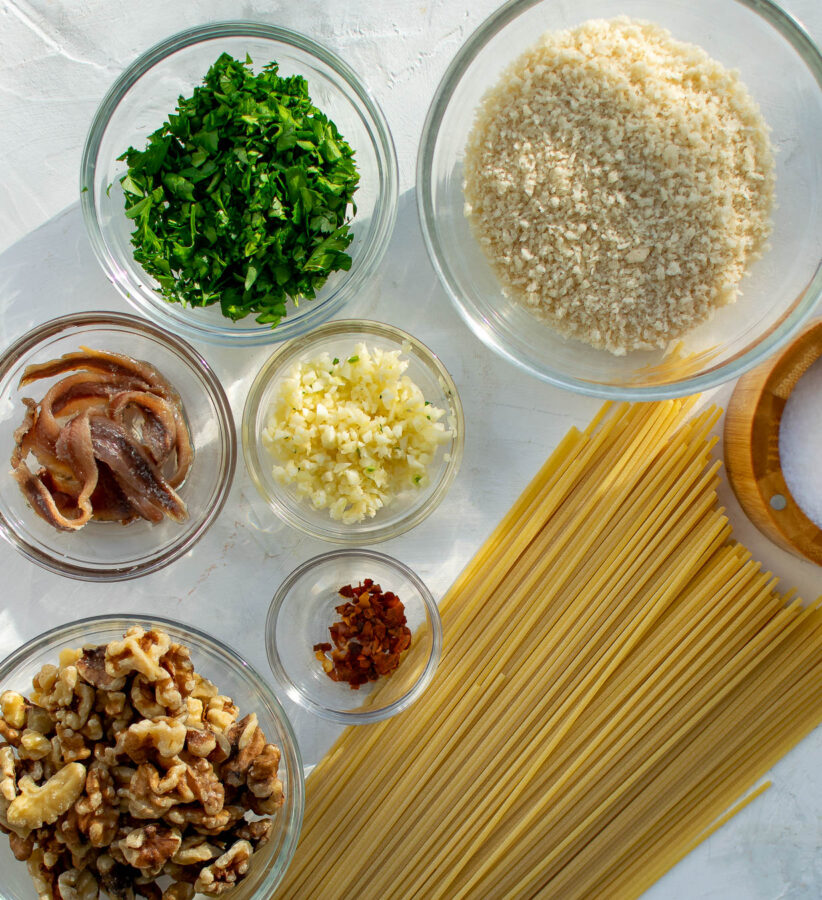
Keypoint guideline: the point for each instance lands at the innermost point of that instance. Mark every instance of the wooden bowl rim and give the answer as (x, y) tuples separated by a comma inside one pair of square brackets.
[(787, 367)]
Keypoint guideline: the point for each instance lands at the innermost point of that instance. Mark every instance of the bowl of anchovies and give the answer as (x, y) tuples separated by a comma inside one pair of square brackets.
[(118, 443), (239, 183)]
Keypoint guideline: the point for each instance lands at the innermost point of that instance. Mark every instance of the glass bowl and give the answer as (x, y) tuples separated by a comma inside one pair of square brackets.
[(783, 70), (104, 551), (234, 677), (140, 101), (339, 340), (302, 611)]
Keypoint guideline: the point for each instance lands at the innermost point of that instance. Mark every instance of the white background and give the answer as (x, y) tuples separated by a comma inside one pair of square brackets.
[(56, 61)]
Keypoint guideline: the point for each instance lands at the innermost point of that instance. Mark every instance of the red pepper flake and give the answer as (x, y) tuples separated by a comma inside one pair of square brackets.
[(368, 639)]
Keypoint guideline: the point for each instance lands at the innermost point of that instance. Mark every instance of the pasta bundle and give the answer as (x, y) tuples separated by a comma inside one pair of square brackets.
[(617, 673)]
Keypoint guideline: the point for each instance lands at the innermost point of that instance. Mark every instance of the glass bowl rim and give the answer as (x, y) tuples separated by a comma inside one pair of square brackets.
[(385, 207), (77, 628), (180, 348), (273, 366), (373, 715), (808, 52)]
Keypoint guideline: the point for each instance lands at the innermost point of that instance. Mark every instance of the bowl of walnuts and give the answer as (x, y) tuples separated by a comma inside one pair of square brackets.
[(142, 759)]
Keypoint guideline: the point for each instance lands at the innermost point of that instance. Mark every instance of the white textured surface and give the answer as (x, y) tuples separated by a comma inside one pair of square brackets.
[(56, 61)]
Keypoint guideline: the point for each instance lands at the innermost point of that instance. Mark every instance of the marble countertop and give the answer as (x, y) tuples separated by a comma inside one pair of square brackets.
[(57, 59)]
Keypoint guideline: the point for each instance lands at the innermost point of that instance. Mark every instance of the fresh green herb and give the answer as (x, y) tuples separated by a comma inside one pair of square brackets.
[(336, 361), (417, 479), (353, 359), (242, 196)]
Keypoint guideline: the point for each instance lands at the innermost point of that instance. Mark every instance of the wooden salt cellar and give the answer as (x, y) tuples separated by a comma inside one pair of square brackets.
[(752, 446)]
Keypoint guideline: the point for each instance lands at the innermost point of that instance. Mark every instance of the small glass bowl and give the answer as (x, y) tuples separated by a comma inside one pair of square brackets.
[(301, 613), (339, 339), (103, 551), (781, 67), (141, 100), (234, 677)]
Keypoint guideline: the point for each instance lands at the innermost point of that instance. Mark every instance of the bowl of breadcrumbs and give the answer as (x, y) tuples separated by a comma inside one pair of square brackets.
[(628, 205)]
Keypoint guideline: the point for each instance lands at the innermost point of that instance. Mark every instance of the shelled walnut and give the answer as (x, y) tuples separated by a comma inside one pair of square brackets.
[(126, 768), (225, 871)]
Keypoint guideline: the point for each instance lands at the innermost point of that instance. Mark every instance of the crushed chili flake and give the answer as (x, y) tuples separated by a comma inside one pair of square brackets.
[(368, 639)]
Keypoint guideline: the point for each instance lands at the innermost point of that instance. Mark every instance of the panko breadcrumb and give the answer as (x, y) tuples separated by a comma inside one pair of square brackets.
[(350, 435), (620, 182)]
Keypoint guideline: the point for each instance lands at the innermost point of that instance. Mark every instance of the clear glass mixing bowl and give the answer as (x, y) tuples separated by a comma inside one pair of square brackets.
[(339, 339), (141, 100), (782, 68), (108, 551), (234, 677)]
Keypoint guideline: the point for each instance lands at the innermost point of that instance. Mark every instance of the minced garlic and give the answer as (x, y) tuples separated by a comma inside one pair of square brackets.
[(350, 435)]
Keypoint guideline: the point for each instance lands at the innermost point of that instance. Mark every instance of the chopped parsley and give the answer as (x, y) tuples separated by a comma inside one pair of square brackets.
[(241, 197)]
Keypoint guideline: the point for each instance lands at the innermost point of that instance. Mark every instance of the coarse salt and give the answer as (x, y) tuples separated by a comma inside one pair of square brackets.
[(800, 437)]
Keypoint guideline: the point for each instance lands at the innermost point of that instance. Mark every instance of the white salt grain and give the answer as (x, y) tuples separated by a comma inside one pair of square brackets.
[(800, 437)]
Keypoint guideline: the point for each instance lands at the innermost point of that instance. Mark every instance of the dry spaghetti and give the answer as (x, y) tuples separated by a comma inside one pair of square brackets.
[(617, 674)]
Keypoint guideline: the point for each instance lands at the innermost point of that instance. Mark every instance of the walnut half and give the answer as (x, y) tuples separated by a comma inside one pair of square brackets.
[(98, 809), (149, 848), (225, 871), (76, 884), (13, 709), (139, 651), (36, 806)]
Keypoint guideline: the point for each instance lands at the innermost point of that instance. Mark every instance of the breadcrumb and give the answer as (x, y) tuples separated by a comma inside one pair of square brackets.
[(620, 182)]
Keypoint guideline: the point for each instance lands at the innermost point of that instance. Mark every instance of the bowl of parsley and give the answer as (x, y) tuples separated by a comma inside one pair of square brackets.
[(239, 183)]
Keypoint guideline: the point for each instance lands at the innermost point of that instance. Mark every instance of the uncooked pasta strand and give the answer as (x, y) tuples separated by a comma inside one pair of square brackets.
[(668, 859), (744, 761), (710, 695), (650, 685), (796, 724)]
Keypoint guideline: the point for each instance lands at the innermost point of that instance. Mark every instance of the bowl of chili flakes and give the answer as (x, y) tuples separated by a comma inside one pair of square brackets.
[(353, 636)]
